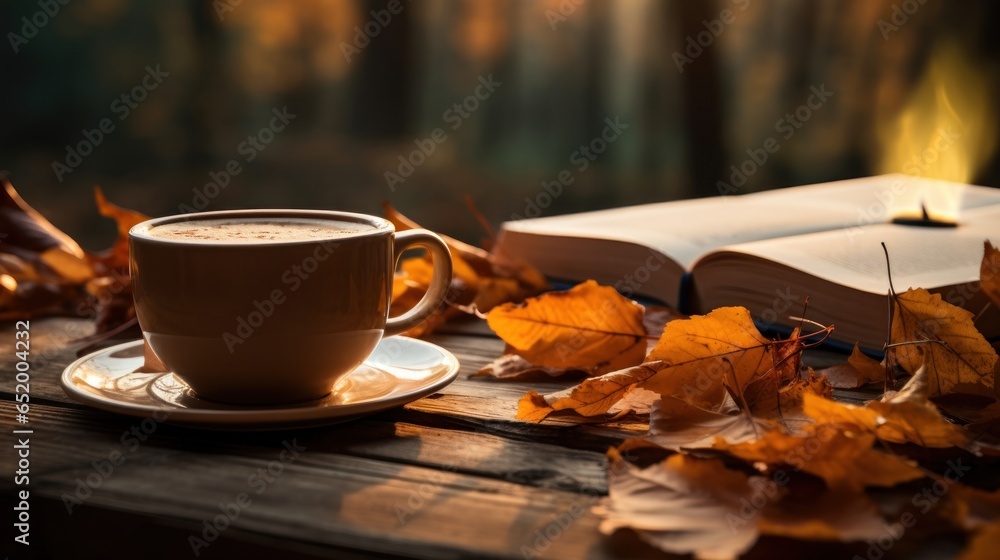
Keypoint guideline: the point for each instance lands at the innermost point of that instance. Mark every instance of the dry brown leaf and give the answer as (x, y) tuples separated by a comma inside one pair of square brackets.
[(54, 256), (989, 272), (831, 515), (115, 258), (510, 366), (675, 424), (593, 397), (683, 505), (588, 327), (636, 402), (702, 354), (958, 360), (686, 505), (858, 371), (844, 460)]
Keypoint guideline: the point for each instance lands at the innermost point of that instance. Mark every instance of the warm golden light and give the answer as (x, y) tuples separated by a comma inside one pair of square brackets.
[(944, 130), (8, 282)]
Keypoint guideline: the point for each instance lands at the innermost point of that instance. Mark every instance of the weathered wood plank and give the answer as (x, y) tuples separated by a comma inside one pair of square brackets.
[(381, 438), (477, 401), (323, 497)]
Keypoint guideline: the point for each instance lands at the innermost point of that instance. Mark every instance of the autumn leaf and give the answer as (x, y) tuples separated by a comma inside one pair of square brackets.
[(592, 397), (830, 516), (115, 258), (589, 327), (905, 417), (957, 357), (35, 241), (857, 372), (675, 424), (989, 272), (844, 460), (683, 505), (686, 505), (478, 259), (701, 355), (511, 366)]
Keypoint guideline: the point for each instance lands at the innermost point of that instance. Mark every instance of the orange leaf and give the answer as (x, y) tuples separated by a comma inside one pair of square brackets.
[(702, 354), (958, 359), (858, 371), (116, 258), (699, 355), (589, 327), (844, 460), (592, 397)]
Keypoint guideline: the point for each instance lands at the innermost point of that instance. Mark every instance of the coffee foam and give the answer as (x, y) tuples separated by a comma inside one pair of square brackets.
[(255, 230)]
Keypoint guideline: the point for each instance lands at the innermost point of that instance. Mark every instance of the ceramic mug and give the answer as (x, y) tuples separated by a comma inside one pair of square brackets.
[(273, 321)]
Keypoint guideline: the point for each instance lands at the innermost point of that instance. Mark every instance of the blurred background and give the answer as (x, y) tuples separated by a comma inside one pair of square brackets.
[(343, 104)]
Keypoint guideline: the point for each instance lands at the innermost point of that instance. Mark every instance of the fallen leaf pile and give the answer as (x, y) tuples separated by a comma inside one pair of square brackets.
[(44, 272), (744, 444)]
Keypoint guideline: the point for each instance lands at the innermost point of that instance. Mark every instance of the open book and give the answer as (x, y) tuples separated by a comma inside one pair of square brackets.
[(768, 251)]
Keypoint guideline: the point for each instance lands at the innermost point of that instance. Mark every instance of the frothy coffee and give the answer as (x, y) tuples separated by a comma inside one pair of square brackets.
[(259, 230)]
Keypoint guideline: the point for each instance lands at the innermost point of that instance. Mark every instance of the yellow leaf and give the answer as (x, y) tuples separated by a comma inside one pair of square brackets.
[(958, 359), (589, 327)]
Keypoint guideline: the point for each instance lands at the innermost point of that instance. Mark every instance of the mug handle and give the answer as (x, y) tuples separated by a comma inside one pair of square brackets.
[(441, 256)]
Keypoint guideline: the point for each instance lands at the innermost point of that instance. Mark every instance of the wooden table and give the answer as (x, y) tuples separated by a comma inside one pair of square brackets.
[(452, 475)]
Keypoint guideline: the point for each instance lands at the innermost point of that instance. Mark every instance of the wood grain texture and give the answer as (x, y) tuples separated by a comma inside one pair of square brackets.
[(452, 475), (387, 488)]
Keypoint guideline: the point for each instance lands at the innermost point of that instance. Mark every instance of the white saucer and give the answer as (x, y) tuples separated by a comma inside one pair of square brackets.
[(400, 370)]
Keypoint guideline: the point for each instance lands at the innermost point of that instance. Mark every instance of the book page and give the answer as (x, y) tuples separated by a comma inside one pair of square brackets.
[(920, 257), (686, 230)]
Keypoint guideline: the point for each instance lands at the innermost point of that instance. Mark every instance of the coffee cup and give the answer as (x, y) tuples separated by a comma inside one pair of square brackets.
[(272, 306)]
